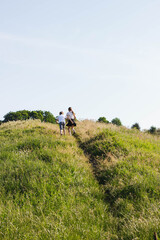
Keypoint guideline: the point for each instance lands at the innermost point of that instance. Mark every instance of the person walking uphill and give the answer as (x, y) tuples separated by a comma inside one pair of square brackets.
[(70, 116), (61, 121)]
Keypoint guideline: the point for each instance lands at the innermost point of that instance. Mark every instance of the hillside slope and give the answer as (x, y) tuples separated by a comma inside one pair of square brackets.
[(103, 183), (47, 189), (127, 164)]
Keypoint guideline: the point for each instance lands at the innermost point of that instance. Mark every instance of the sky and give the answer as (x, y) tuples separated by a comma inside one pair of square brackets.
[(100, 57)]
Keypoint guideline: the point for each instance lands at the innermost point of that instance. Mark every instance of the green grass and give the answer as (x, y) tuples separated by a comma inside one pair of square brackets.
[(127, 164), (102, 184), (47, 188)]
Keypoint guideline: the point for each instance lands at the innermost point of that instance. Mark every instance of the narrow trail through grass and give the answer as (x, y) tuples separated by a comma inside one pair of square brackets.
[(101, 184), (47, 189), (126, 164)]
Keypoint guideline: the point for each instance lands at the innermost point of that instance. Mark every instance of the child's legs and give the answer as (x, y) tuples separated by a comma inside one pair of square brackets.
[(64, 128), (69, 130), (61, 127), (73, 129)]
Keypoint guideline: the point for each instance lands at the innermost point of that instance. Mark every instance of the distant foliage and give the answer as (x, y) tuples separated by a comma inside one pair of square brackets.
[(152, 130), (158, 131), (126, 164), (44, 116), (36, 115), (48, 117), (136, 125), (116, 121), (103, 120)]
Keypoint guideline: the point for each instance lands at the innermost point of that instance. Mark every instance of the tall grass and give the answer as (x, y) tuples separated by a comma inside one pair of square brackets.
[(50, 190), (127, 165), (47, 190)]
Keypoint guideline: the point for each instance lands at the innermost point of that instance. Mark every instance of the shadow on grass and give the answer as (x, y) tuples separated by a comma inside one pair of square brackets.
[(96, 155)]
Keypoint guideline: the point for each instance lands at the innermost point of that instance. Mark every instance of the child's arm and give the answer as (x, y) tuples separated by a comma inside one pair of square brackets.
[(74, 115)]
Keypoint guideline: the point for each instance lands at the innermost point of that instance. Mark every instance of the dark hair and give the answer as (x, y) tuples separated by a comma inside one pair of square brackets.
[(60, 113), (69, 109)]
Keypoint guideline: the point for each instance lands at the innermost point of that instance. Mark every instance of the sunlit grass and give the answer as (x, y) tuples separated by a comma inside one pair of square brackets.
[(127, 164), (46, 186), (50, 190)]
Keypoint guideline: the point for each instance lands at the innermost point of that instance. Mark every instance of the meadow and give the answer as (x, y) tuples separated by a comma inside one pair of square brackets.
[(127, 164), (103, 183)]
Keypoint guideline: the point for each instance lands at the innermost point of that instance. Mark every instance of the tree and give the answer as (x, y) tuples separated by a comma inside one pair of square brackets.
[(116, 121), (103, 120), (14, 116), (33, 115), (40, 115), (11, 116), (136, 125), (48, 117), (152, 130), (25, 114)]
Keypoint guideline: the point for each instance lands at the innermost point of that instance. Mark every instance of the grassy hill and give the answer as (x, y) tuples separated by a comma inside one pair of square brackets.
[(127, 164), (104, 183)]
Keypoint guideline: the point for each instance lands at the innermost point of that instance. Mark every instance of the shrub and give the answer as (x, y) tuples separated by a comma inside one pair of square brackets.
[(116, 121), (36, 115), (152, 130), (48, 117), (11, 116), (103, 120), (136, 125)]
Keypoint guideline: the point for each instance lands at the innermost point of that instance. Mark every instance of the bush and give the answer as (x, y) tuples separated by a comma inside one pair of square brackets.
[(136, 125), (103, 120), (48, 117), (116, 121), (152, 130), (36, 115)]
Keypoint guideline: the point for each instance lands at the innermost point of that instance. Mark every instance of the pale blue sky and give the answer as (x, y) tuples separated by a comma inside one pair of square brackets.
[(101, 57)]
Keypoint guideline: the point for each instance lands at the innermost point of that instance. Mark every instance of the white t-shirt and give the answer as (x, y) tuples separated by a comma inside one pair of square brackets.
[(61, 118), (70, 115)]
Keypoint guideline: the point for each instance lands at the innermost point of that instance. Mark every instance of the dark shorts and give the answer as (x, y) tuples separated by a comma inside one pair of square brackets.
[(71, 124), (62, 125)]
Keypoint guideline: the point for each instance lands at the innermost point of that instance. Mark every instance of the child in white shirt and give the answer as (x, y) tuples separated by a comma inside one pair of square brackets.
[(61, 121), (70, 116)]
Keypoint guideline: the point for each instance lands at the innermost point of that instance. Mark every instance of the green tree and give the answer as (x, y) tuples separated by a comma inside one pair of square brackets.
[(33, 115), (116, 121), (136, 125), (48, 117), (18, 115), (40, 115), (152, 130), (25, 114), (11, 116), (103, 120)]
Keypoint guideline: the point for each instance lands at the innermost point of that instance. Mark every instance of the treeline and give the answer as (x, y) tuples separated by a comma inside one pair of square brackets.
[(44, 116), (117, 121)]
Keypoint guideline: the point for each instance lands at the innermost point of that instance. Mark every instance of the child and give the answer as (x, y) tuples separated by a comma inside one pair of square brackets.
[(61, 121), (70, 116)]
